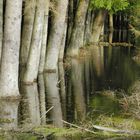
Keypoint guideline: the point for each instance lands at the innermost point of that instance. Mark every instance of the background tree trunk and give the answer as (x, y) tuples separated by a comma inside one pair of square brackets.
[(1, 25), (10, 52), (110, 28)]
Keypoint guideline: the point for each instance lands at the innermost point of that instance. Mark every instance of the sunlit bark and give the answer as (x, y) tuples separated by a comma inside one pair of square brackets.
[(10, 53)]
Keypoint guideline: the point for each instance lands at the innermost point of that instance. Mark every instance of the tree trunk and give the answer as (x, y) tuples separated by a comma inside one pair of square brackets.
[(10, 52), (44, 38), (77, 37), (56, 35), (34, 54), (63, 43), (1, 25), (110, 28), (27, 29), (97, 26), (70, 19), (88, 26)]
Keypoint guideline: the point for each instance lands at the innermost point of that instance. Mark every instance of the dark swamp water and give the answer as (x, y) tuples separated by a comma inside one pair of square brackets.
[(87, 88), (83, 88)]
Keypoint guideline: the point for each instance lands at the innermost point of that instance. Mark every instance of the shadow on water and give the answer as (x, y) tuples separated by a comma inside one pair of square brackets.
[(120, 70), (86, 86)]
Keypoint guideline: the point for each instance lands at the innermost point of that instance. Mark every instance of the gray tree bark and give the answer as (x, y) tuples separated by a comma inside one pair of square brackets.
[(63, 43), (88, 27), (97, 26), (56, 35), (77, 37), (27, 29), (10, 52), (31, 71), (1, 25), (44, 38)]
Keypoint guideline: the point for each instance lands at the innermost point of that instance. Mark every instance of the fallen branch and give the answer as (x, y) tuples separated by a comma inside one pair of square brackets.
[(81, 128), (49, 109), (116, 130)]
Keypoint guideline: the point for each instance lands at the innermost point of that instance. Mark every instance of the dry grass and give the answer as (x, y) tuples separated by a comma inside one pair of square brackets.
[(116, 122), (131, 104)]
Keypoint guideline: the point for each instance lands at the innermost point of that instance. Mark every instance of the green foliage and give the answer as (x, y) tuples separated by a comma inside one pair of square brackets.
[(111, 5)]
